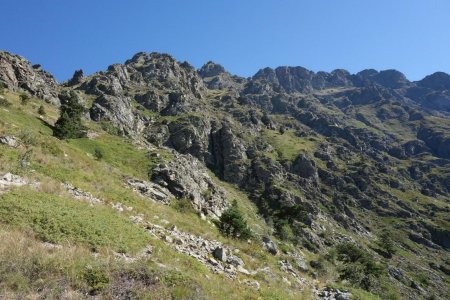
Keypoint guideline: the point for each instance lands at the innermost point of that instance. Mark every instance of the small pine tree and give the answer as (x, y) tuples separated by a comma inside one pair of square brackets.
[(69, 125), (232, 223), (41, 110)]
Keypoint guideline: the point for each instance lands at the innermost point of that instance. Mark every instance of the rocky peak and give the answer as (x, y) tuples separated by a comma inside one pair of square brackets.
[(299, 79), (19, 74), (77, 78), (386, 78), (211, 69), (437, 81)]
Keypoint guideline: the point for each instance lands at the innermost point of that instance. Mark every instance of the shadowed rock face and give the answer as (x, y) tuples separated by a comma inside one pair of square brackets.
[(19, 75), (436, 81)]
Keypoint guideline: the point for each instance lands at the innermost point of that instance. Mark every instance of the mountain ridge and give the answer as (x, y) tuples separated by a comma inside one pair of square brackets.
[(326, 158)]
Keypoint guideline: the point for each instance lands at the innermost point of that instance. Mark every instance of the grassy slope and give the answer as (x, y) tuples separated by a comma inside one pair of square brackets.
[(50, 214)]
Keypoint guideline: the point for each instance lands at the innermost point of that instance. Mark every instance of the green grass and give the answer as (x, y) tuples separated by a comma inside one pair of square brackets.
[(117, 153), (288, 144), (58, 220)]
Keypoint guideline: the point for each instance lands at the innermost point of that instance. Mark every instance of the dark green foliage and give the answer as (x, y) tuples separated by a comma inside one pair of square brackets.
[(387, 243), (232, 223), (358, 266), (41, 110), (69, 125), (98, 153), (96, 278), (24, 98)]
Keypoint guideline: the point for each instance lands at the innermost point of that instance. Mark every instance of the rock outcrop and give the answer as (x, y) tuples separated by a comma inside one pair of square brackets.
[(20, 75), (186, 177)]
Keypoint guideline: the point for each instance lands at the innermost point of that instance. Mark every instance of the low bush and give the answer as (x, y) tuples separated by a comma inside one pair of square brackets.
[(358, 266), (182, 205)]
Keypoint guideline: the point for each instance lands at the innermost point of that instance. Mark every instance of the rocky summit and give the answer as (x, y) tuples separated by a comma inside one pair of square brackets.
[(200, 184)]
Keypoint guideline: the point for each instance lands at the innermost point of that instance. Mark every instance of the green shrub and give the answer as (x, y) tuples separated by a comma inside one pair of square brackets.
[(96, 278), (98, 153), (285, 232), (232, 223), (182, 205), (387, 243), (109, 128), (358, 266), (41, 110), (24, 98)]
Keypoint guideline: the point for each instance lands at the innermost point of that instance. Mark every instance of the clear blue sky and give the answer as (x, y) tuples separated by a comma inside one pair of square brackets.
[(412, 36)]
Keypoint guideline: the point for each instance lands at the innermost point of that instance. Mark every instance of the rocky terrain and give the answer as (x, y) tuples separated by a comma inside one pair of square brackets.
[(319, 163)]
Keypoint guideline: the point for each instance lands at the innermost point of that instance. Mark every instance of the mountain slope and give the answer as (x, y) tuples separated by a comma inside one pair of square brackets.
[(318, 162)]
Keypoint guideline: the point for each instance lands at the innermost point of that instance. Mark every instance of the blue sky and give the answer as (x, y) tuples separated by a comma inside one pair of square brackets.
[(412, 36)]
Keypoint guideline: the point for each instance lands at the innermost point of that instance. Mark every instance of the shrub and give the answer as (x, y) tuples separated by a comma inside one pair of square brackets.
[(69, 125), (24, 98), (232, 223), (96, 278), (98, 153), (358, 266), (387, 244), (285, 232), (109, 128), (41, 110), (182, 205)]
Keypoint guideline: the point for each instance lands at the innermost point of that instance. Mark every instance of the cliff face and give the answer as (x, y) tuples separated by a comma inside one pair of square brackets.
[(325, 157)]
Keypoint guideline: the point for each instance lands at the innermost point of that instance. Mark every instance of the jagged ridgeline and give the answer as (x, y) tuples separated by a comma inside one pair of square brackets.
[(198, 184)]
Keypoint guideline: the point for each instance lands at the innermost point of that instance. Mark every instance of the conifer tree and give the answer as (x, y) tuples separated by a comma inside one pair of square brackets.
[(69, 125), (232, 223)]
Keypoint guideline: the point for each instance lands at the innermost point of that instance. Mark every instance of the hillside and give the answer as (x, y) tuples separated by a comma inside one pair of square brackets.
[(343, 180)]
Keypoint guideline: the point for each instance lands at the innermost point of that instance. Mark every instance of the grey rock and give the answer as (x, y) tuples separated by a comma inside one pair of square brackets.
[(220, 253), (77, 78), (118, 111), (19, 75), (186, 177), (10, 141), (11, 180), (211, 69), (270, 245), (81, 195), (151, 190)]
